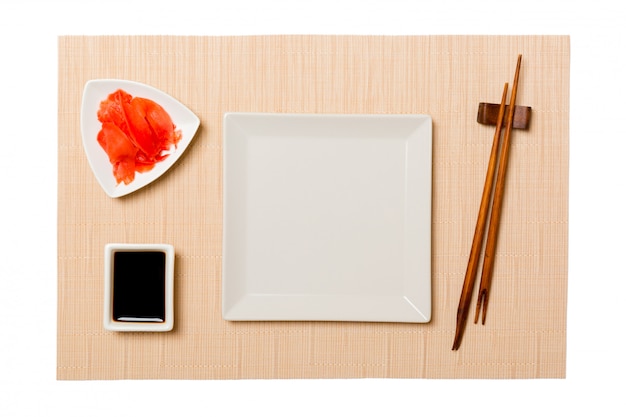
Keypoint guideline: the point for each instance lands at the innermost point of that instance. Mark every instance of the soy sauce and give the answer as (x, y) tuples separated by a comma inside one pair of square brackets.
[(139, 286)]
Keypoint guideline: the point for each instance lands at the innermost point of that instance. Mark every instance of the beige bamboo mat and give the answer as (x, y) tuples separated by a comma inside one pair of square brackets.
[(443, 76)]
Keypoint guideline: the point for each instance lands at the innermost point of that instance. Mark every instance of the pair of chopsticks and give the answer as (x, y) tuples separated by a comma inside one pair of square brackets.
[(492, 234)]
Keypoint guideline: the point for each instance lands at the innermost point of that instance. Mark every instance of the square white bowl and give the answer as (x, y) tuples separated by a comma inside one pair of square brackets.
[(138, 324)]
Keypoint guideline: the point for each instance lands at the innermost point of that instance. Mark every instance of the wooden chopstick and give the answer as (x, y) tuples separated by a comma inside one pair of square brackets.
[(494, 222), (472, 265)]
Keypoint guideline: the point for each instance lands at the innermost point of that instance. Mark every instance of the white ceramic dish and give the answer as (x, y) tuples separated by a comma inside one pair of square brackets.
[(146, 284), (327, 217), (94, 93)]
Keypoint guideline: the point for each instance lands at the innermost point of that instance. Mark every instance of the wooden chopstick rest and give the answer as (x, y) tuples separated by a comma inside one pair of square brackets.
[(488, 115)]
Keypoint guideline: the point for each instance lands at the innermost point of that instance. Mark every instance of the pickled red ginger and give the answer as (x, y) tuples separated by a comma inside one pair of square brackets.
[(136, 134)]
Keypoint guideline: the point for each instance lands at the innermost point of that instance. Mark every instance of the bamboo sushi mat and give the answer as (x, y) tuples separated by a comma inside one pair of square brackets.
[(443, 76)]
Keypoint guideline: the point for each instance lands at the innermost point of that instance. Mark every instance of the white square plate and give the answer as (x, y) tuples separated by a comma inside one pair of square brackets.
[(327, 217)]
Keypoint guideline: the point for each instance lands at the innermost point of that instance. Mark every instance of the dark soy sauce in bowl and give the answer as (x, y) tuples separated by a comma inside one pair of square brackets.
[(139, 286)]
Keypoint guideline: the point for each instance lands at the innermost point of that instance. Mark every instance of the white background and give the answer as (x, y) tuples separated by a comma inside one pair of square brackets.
[(28, 113)]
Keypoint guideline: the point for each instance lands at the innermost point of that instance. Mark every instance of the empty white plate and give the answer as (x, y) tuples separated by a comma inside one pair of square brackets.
[(94, 93), (327, 217)]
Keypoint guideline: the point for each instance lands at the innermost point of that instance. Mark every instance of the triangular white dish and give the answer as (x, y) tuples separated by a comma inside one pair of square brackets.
[(98, 90)]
